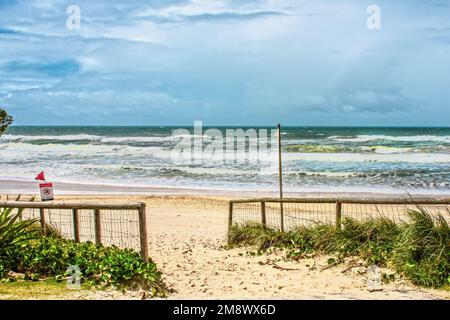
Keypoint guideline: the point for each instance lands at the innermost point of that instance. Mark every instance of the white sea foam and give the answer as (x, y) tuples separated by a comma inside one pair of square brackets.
[(386, 150), (112, 139), (416, 138), (91, 138), (360, 157), (330, 174), (22, 151), (75, 137), (383, 154)]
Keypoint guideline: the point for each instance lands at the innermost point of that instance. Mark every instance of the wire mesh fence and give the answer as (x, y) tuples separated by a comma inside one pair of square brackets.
[(398, 213), (122, 225), (286, 214)]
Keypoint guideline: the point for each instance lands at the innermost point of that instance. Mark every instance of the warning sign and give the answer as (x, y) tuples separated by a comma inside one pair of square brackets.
[(46, 191)]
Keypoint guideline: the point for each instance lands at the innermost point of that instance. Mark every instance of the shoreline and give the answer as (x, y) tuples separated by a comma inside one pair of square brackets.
[(14, 187)]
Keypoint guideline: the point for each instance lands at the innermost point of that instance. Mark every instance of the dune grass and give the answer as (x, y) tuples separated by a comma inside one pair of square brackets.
[(418, 250)]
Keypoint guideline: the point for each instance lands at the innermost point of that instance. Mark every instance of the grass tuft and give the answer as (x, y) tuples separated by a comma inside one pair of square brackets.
[(422, 252)]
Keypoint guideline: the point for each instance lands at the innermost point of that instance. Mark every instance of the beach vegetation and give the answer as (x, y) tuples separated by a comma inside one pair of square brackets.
[(5, 121), (100, 266), (418, 250), (13, 231), (25, 250)]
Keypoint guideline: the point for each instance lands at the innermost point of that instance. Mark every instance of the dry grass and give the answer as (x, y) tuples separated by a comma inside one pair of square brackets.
[(33, 290)]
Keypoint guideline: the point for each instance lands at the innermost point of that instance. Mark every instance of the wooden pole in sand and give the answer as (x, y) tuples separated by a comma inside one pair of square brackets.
[(338, 214), (76, 225), (42, 219), (263, 214), (97, 227), (230, 220), (280, 178), (143, 232)]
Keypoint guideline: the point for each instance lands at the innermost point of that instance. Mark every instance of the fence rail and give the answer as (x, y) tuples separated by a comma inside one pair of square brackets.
[(288, 213), (421, 200), (123, 225)]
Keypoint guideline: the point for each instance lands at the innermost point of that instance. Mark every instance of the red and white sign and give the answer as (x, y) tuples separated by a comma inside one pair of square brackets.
[(46, 191)]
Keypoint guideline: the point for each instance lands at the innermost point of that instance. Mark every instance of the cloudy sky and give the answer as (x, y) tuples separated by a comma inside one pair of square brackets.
[(229, 62)]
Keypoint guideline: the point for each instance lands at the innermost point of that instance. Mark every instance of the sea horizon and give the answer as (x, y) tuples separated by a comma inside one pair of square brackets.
[(229, 126)]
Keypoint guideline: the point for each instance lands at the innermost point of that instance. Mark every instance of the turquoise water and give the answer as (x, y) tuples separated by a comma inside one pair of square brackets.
[(319, 158)]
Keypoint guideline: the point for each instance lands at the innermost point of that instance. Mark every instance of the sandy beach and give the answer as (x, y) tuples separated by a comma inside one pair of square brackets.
[(187, 238)]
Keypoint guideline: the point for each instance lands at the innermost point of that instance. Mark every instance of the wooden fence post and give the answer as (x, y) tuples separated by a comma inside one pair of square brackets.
[(42, 217), (143, 232), (97, 226), (230, 220), (338, 214), (281, 216), (263, 214), (76, 225)]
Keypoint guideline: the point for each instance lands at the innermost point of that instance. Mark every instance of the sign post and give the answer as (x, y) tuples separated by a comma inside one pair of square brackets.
[(280, 178), (46, 188)]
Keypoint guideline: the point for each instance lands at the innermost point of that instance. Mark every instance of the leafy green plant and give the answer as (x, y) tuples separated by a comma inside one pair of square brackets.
[(100, 266), (14, 231)]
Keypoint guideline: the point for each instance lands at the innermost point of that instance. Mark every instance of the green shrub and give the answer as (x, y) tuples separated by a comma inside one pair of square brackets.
[(13, 231), (100, 266)]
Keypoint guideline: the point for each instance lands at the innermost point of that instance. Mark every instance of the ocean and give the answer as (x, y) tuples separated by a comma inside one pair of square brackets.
[(324, 159)]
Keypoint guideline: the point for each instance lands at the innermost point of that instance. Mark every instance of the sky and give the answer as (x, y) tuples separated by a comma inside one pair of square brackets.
[(226, 62)]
